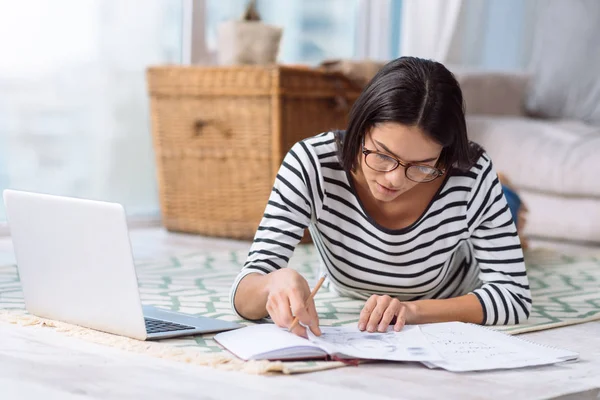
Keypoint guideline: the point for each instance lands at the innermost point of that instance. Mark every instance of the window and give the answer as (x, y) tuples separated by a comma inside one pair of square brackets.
[(74, 117), (73, 99), (313, 30)]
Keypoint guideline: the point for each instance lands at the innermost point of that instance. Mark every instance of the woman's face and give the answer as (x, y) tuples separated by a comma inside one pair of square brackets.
[(409, 144)]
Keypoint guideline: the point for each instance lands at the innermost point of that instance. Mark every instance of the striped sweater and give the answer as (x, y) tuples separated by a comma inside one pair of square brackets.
[(464, 242)]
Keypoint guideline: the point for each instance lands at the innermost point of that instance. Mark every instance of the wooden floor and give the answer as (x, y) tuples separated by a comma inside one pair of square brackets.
[(40, 363)]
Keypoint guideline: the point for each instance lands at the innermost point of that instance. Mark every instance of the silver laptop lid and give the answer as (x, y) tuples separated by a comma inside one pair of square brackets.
[(75, 261)]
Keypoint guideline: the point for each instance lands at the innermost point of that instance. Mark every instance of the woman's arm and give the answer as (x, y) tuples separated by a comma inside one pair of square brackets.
[(288, 212), (504, 296), (465, 308)]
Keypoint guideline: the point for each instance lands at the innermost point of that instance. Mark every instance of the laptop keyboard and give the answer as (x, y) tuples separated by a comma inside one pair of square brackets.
[(158, 326)]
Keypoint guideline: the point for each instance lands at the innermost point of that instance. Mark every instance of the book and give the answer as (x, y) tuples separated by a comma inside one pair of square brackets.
[(453, 346), (269, 342)]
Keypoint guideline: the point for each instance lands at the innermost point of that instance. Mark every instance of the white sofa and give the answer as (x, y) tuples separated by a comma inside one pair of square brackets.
[(542, 126), (553, 163)]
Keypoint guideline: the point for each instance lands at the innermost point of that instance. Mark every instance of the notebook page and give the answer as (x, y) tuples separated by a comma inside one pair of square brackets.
[(468, 347), (257, 341), (348, 342)]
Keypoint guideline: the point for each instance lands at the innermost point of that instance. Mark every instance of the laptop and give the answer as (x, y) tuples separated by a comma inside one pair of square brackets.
[(76, 265)]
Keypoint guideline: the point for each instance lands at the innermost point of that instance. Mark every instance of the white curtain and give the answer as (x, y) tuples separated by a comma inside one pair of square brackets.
[(373, 33), (74, 116), (488, 34), (429, 28)]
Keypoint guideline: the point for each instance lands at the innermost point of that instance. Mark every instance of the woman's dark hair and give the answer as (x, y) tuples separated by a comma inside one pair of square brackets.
[(414, 92)]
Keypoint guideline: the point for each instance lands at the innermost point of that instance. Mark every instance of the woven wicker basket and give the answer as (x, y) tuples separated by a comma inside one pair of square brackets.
[(220, 134)]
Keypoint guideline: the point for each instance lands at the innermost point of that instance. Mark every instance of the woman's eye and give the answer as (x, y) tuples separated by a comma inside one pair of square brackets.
[(382, 157), (425, 170)]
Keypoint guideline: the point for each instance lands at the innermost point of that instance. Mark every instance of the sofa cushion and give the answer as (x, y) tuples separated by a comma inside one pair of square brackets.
[(492, 92), (561, 217), (561, 157), (566, 60)]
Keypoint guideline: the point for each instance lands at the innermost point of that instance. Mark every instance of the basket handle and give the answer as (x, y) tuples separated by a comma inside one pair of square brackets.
[(201, 124)]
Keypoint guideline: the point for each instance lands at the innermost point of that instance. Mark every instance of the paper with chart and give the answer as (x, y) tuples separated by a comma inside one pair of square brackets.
[(348, 342), (468, 347)]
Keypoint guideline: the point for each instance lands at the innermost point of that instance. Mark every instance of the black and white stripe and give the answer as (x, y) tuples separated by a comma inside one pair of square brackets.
[(465, 242)]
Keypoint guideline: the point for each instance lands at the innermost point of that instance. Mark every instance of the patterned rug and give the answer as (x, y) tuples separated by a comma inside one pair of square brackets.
[(565, 291)]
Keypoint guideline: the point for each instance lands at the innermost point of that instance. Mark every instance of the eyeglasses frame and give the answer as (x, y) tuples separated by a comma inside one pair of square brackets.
[(406, 165)]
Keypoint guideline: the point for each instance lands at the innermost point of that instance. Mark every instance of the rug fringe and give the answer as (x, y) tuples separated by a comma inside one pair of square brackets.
[(155, 349)]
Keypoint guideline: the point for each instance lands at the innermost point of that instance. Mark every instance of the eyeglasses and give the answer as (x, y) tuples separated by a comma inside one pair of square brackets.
[(384, 163)]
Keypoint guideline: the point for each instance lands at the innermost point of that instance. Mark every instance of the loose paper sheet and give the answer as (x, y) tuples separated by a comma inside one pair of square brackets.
[(467, 347)]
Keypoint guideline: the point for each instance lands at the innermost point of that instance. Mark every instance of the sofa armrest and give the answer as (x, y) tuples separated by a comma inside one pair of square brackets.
[(493, 92)]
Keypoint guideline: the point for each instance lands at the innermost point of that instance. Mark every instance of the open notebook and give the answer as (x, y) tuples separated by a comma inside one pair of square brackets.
[(454, 346), (269, 342)]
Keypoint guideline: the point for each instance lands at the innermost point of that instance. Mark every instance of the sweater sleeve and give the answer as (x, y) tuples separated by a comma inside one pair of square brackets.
[(288, 213), (504, 295)]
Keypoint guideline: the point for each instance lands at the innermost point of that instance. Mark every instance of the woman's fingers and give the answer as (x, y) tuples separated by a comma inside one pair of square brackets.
[(283, 312), (400, 319), (391, 311), (271, 308), (365, 314), (279, 309), (377, 313), (297, 308)]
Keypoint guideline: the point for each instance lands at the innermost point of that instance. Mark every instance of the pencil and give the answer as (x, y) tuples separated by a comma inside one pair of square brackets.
[(312, 296)]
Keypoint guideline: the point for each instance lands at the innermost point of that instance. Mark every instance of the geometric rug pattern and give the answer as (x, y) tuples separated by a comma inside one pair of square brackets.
[(565, 290)]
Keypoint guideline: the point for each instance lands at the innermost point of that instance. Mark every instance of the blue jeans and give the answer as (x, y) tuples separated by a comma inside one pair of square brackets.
[(514, 202)]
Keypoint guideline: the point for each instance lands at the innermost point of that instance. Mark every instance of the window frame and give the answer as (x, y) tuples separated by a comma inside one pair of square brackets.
[(373, 34)]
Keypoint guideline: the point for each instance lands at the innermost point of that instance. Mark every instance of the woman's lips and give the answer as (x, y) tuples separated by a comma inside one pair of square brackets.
[(385, 190)]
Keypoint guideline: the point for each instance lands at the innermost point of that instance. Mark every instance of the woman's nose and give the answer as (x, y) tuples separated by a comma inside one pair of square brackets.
[(396, 177)]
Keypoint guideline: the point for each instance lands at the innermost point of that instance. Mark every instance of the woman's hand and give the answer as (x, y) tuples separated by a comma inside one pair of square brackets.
[(289, 296), (380, 311)]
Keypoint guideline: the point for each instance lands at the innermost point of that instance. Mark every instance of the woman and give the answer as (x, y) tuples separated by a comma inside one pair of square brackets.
[(405, 212)]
